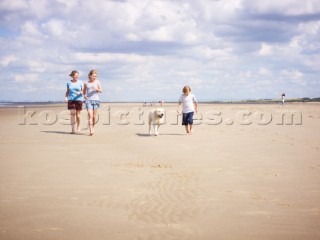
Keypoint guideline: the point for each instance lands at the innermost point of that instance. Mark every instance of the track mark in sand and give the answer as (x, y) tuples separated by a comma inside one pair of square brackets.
[(134, 158), (47, 229), (257, 196), (315, 167), (164, 233), (146, 165), (283, 204), (102, 202), (168, 200)]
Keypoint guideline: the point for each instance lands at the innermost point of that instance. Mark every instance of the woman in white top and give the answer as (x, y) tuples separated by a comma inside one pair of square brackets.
[(92, 103)]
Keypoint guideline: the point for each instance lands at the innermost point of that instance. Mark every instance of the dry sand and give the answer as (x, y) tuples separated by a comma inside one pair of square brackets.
[(228, 180)]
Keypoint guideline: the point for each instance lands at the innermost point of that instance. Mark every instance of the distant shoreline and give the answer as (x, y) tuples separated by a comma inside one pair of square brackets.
[(244, 102)]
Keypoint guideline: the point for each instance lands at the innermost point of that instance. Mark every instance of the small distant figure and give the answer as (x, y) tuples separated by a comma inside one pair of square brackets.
[(148, 104), (282, 99)]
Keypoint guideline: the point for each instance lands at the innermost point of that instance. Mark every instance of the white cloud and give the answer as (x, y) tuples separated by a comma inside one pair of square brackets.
[(211, 11), (284, 7), (308, 38), (110, 57), (266, 50), (30, 28), (133, 37), (204, 52), (21, 78), (31, 90), (294, 76), (10, 5), (70, 4), (6, 60), (264, 71), (222, 48), (55, 27)]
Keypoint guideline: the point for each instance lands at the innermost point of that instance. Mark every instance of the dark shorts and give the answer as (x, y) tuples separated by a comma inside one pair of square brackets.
[(75, 105), (187, 118)]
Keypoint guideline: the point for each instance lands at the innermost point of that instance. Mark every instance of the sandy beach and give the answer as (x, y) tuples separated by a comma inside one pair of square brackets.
[(247, 172)]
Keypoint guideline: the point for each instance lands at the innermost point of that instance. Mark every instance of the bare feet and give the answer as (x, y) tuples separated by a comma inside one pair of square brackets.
[(91, 132)]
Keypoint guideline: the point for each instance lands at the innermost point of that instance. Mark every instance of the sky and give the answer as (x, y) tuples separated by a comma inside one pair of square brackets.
[(147, 50)]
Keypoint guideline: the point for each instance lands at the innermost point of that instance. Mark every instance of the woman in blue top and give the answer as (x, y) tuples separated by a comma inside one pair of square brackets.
[(74, 97)]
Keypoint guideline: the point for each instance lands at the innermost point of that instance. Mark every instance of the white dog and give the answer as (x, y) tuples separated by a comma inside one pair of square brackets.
[(156, 117)]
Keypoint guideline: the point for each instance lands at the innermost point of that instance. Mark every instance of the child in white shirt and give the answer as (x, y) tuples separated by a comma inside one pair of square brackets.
[(189, 106)]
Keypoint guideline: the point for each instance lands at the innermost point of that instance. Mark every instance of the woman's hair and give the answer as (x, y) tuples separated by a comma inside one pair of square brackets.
[(73, 73), (92, 72), (185, 89)]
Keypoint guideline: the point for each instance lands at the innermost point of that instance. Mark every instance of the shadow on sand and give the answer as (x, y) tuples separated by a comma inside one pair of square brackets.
[(143, 135), (161, 134), (61, 132)]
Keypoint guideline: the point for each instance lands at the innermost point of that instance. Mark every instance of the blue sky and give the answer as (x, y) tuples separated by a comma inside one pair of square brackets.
[(148, 50)]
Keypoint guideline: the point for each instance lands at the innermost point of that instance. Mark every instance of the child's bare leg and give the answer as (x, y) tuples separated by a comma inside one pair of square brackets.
[(187, 129)]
